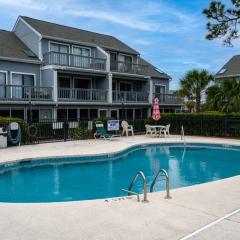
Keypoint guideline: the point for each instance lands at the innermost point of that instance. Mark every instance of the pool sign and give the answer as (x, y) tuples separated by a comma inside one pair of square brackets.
[(113, 125)]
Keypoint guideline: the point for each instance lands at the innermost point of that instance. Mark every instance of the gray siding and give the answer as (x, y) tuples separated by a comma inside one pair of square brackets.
[(47, 77), (28, 37), (20, 67), (164, 82)]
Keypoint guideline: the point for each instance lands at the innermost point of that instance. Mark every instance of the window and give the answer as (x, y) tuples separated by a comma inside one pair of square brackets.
[(125, 64), (17, 113), (59, 55), (113, 61), (93, 113), (84, 114), (21, 83), (82, 83), (4, 113), (144, 113), (138, 113), (81, 57), (45, 114), (3, 82), (72, 114), (124, 86), (35, 115), (61, 114), (130, 114)]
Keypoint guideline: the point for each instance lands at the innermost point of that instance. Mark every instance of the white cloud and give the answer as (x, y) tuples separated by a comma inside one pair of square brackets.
[(30, 4), (142, 42)]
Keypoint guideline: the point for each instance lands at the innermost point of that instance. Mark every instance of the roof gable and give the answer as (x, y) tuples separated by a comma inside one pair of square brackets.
[(231, 68), (57, 31), (11, 48)]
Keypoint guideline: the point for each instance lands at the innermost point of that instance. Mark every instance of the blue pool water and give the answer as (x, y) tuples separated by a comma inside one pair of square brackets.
[(82, 178)]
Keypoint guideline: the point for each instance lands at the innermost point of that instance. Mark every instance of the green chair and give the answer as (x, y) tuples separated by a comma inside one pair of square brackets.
[(102, 133)]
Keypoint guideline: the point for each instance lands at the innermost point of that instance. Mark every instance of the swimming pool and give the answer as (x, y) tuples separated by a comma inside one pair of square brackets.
[(95, 177)]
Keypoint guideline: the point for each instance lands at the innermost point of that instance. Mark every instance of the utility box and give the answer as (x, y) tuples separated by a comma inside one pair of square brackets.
[(3, 138)]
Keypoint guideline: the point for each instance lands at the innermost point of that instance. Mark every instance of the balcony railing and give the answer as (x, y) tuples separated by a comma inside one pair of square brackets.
[(125, 96), (131, 68), (168, 98), (79, 94), (71, 60), (25, 93)]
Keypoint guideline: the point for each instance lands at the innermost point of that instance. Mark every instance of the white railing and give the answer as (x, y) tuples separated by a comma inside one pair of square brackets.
[(129, 96), (79, 94)]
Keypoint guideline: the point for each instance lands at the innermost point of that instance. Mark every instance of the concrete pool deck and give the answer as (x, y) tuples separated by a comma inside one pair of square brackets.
[(190, 209)]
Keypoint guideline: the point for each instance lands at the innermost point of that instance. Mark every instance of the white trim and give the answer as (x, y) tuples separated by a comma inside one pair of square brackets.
[(21, 60), (6, 73), (33, 29), (24, 73)]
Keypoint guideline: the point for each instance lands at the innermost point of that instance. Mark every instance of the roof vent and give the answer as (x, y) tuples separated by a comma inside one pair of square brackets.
[(223, 70)]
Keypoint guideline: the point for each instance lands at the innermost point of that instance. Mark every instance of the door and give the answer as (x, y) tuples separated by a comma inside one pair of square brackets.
[(114, 114), (3, 82), (64, 86), (113, 61), (126, 91), (60, 54), (82, 88), (81, 57), (160, 92)]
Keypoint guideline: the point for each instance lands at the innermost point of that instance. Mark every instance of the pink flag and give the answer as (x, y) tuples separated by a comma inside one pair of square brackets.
[(156, 113)]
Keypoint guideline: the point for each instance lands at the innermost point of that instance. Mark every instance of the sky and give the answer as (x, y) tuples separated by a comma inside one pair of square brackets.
[(168, 33)]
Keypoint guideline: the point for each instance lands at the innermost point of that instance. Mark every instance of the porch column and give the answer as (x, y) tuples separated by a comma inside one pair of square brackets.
[(109, 87), (150, 98), (54, 113), (55, 86)]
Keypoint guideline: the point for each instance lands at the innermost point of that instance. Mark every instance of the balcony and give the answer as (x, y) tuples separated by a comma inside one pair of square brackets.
[(131, 97), (168, 98), (76, 61), (130, 68), (82, 95), (25, 93)]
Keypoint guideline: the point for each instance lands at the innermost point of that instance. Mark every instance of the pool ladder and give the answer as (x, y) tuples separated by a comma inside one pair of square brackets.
[(183, 136), (141, 174)]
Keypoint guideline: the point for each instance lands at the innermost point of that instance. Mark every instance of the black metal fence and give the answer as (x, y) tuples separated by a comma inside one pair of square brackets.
[(63, 130)]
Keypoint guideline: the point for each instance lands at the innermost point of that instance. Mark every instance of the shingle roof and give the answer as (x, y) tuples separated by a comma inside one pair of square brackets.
[(52, 30), (231, 68), (11, 48), (153, 71)]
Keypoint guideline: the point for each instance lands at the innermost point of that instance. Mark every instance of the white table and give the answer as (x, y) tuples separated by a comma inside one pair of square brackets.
[(159, 128)]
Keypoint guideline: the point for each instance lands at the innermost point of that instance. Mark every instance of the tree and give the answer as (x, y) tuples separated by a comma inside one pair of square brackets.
[(224, 96), (194, 84), (190, 105), (223, 21)]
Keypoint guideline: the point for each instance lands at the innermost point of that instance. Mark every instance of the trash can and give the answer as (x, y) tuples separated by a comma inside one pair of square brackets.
[(3, 138)]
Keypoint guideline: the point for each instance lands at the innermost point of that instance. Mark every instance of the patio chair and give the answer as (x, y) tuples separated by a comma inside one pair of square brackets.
[(101, 132), (127, 128), (151, 131), (165, 131)]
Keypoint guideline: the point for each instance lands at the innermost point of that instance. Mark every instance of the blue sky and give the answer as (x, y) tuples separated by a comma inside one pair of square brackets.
[(170, 34)]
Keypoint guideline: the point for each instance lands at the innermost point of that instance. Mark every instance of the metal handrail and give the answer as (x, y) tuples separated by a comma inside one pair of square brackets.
[(167, 182), (140, 173), (133, 193), (183, 136)]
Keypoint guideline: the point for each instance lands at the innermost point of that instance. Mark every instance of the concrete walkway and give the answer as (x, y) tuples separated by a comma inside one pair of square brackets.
[(190, 208)]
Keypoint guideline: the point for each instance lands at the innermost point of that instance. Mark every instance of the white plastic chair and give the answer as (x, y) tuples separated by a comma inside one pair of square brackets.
[(165, 131), (127, 128), (151, 131)]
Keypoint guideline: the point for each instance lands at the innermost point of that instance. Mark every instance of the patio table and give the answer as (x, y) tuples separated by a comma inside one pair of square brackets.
[(159, 128)]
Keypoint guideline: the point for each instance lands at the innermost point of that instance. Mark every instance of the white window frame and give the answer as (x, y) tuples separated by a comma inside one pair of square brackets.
[(6, 73), (90, 50), (22, 73), (59, 43), (123, 54)]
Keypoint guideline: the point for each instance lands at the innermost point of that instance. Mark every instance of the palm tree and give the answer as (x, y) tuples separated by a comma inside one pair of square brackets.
[(194, 84), (224, 96)]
